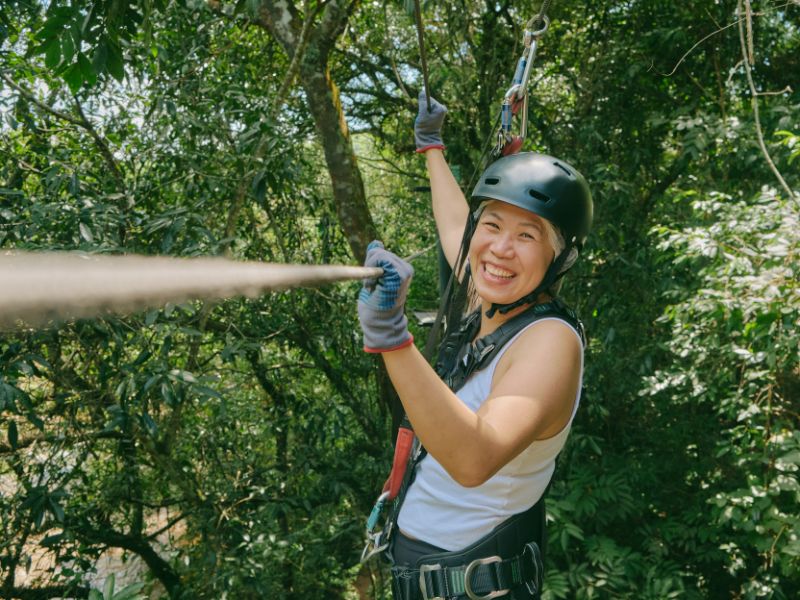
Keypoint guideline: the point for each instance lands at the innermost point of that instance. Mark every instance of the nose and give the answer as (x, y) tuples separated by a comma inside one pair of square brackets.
[(503, 245)]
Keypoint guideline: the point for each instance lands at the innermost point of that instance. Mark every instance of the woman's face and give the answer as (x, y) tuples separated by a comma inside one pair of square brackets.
[(509, 253)]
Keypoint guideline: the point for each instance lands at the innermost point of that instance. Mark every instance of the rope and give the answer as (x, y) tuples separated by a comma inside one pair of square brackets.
[(423, 59), (39, 287), (541, 17)]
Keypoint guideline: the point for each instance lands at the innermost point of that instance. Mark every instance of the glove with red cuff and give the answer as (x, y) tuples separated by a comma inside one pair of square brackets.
[(428, 124), (381, 302)]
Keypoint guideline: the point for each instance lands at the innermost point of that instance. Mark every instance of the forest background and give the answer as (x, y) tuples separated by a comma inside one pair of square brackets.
[(233, 449)]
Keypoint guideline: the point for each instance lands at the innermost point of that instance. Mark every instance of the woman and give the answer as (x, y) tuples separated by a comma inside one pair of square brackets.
[(471, 523)]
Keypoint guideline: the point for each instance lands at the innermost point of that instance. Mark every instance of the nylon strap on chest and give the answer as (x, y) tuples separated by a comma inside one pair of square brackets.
[(459, 358)]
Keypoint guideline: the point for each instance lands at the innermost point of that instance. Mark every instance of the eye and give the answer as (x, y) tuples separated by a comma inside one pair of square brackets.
[(491, 224)]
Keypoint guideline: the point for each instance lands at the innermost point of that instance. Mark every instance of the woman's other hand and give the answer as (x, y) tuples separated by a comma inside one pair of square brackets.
[(382, 300)]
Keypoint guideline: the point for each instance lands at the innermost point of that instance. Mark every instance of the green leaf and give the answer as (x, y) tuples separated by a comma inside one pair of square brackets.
[(130, 592), (86, 233), (207, 391), (151, 382), (114, 62), (87, 70), (67, 47), (57, 510), (35, 420), (108, 588), (150, 425), (52, 540), (100, 58), (74, 78), (52, 57)]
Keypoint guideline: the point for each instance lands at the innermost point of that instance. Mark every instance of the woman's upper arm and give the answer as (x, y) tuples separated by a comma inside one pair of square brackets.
[(450, 207), (534, 390)]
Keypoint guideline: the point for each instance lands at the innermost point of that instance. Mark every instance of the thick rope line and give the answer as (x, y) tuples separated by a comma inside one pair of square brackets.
[(36, 288), (422, 57)]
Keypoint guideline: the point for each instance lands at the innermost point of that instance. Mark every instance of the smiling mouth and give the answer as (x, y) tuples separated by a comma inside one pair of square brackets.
[(498, 272)]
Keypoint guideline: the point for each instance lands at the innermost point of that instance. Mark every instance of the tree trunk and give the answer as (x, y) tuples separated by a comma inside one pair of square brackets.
[(348, 187), (284, 21)]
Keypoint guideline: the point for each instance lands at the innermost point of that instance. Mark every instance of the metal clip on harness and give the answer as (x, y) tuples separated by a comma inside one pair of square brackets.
[(517, 95)]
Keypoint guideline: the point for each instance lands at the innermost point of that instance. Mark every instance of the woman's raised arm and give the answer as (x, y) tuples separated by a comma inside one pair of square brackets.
[(450, 208)]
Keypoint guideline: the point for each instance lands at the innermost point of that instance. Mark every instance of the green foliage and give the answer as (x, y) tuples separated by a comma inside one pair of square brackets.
[(236, 447), (129, 592), (735, 343)]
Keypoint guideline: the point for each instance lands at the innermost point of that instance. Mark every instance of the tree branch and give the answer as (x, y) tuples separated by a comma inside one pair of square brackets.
[(754, 101), (81, 122), (51, 591), (101, 144), (160, 568), (60, 439)]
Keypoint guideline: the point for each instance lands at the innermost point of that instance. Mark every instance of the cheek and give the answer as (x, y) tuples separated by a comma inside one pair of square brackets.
[(474, 245), (541, 258)]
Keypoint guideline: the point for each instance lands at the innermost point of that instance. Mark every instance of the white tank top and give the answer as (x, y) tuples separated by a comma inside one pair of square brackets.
[(441, 512)]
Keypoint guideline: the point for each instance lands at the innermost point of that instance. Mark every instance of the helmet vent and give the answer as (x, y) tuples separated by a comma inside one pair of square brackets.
[(491, 180), (563, 168), (539, 196)]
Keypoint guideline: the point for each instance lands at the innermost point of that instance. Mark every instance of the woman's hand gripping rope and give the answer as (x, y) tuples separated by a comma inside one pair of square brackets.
[(382, 300), (428, 124)]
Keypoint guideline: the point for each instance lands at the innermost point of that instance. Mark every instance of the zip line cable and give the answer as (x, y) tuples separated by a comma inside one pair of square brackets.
[(541, 18), (422, 57), (40, 287)]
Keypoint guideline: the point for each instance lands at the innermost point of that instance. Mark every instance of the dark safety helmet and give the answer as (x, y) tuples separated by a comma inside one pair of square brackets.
[(544, 185), (550, 188)]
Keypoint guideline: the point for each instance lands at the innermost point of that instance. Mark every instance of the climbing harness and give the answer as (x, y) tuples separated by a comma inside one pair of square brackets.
[(503, 561), (458, 358)]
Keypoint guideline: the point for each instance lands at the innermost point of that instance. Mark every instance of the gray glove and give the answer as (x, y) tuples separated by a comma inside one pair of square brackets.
[(428, 124), (381, 302)]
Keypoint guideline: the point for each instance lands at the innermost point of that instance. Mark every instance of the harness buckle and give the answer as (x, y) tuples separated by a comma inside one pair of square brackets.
[(533, 585), (423, 586), (468, 579)]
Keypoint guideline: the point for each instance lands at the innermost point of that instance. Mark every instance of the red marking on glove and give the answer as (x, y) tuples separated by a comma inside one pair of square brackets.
[(424, 149), (408, 342)]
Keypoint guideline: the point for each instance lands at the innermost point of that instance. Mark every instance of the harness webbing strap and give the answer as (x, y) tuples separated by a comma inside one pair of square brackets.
[(402, 453)]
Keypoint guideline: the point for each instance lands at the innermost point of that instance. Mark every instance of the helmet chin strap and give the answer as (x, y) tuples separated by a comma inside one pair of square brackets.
[(553, 274)]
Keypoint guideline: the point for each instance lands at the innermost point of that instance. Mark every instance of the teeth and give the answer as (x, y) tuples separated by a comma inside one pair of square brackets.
[(498, 272)]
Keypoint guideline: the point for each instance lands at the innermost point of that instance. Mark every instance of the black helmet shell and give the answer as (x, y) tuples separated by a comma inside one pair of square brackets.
[(544, 185)]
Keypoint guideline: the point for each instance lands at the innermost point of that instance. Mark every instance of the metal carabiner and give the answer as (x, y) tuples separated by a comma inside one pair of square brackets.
[(373, 546), (516, 96), (537, 32), (375, 514)]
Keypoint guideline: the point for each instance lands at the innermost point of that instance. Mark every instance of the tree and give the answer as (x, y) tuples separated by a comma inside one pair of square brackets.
[(236, 447)]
